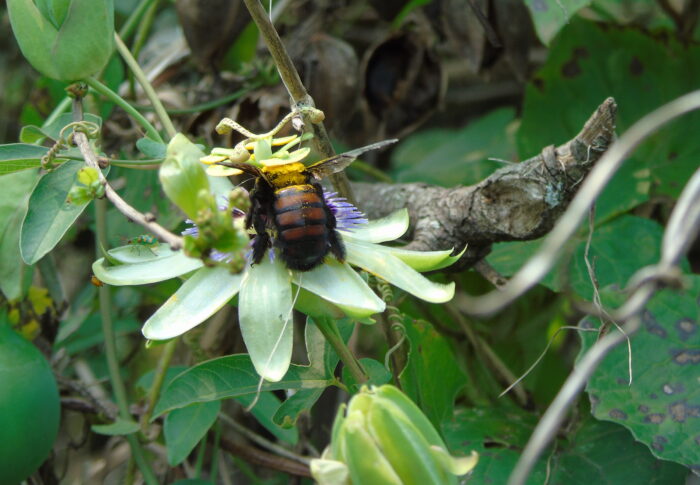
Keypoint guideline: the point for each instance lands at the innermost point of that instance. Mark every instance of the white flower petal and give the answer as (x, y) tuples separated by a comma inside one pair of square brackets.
[(381, 230), (419, 260), (151, 271), (398, 273), (265, 315), (338, 283), (197, 299)]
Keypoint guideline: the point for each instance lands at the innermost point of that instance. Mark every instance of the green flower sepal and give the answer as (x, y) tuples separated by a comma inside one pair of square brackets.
[(382, 437)]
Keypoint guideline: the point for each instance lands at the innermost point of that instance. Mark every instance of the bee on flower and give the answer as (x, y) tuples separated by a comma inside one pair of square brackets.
[(313, 238)]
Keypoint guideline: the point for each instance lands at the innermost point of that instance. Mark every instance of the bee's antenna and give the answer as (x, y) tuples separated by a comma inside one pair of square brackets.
[(274, 349)]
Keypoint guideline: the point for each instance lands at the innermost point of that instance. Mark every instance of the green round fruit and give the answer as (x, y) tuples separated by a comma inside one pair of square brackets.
[(30, 408)]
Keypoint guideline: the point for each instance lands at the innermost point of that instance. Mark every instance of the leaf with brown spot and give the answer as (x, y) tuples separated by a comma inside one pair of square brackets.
[(662, 406)]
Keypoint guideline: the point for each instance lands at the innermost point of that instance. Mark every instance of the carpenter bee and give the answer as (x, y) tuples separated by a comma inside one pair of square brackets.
[(288, 198)]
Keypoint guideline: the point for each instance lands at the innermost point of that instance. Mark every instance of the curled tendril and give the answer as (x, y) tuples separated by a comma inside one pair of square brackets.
[(394, 316), (91, 130)]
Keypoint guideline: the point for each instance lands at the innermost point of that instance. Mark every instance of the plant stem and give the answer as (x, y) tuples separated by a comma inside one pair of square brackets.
[(158, 379), (111, 352), (130, 23), (330, 332), (146, 85), (292, 81), (214, 103), (123, 104), (144, 28)]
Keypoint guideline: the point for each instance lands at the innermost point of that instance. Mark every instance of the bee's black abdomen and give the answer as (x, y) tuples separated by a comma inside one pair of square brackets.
[(301, 219)]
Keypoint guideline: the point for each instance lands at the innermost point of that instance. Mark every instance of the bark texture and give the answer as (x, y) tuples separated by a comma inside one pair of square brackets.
[(516, 203)]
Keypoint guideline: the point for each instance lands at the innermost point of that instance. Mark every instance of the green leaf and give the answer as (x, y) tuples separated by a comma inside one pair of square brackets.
[(53, 41), (591, 453), (550, 16), (159, 268), (49, 215), (183, 428), (151, 148), (183, 176), (301, 401), (460, 157), (20, 156), (14, 194), (264, 410), (431, 377), (396, 272), (202, 295), (588, 63), (662, 406), (339, 284), (228, 377), (120, 427), (265, 316), (376, 372), (618, 249)]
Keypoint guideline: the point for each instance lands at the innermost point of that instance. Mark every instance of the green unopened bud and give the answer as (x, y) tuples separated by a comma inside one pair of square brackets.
[(385, 438), (183, 176), (88, 175), (79, 195), (66, 40)]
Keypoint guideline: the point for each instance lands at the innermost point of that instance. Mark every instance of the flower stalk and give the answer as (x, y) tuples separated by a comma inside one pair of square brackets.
[(292, 81), (330, 332)]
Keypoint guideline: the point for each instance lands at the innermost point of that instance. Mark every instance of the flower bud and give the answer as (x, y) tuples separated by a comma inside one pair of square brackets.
[(383, 437), (66, 40), (183, 177)]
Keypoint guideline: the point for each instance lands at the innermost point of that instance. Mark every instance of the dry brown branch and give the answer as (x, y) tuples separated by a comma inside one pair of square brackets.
[(516, 203)]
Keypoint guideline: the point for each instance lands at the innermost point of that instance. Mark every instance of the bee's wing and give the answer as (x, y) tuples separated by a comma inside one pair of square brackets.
[(337, 163)]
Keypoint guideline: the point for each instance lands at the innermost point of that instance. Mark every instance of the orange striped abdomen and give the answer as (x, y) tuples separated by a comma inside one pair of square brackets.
[(302, 226)]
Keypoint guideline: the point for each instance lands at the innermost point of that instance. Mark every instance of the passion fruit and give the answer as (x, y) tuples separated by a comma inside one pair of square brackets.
[(30, 408)]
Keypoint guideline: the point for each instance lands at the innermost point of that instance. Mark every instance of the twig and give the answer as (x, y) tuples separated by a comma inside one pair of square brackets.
[(265, 443), (163, 234), (263, 458), (516, 203), (543, 261), (300, 97), (682, 229)]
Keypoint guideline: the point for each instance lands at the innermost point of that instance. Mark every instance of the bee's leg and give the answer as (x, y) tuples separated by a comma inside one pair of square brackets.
[(335, 244), (257, 218)]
